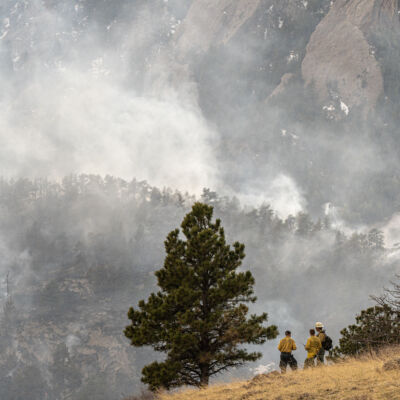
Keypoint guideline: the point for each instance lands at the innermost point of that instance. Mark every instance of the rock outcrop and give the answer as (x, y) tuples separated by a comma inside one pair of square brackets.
[(207, 24), (282, 87), (211, 22), (340, 61)]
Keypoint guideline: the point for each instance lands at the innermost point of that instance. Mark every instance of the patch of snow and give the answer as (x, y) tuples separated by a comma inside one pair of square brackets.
[(174, 24), (108, 27), (344, 108), (305, 3), (280, 24), (283, 132), (293, 56), (331, 107)]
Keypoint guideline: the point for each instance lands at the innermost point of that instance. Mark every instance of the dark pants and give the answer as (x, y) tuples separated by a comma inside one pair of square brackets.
[(320, 357), (287, 358)]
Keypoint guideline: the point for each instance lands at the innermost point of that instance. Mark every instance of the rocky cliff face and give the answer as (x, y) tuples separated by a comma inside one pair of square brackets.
[(341, 61), (336, 47), (238, 51), (211, 22)]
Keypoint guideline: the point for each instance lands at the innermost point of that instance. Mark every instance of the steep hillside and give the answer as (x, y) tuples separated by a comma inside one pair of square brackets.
[(369, 378), (79, 253)]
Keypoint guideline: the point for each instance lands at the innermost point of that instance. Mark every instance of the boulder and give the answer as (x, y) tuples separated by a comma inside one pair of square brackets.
[(340, 62)]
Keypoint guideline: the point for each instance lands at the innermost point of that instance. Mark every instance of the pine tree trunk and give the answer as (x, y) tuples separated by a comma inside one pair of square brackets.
[(205, 377)]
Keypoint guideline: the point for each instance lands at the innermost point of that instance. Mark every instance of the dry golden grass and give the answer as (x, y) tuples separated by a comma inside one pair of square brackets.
[(359, 379)]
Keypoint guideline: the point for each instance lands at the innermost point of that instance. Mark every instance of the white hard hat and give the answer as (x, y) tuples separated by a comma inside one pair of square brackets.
[(319, 325)]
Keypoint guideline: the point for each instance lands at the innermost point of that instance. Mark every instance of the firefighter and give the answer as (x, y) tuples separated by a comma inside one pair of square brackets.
[(312, 346), (319, 327), (286, 346)]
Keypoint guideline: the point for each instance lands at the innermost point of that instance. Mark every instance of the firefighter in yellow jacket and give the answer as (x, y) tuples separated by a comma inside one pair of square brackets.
[(286, 346), (312, 346)]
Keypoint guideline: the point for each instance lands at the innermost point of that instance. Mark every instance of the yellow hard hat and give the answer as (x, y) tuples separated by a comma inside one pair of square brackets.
[(319, 325)]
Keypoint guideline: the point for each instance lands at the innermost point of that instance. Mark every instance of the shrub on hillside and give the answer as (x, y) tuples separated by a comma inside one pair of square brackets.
[(375, 327)]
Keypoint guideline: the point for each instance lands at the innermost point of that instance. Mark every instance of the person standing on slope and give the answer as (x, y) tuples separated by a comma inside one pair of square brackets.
[(312, 346), (321, 335), (286, 346)]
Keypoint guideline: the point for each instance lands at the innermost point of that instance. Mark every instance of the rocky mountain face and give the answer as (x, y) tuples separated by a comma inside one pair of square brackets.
[(298, 75), (261, 36), (334, 47), (344, 51), (213, 23), (341, 59)]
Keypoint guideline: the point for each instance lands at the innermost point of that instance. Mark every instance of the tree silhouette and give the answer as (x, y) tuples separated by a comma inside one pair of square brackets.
[(199, 317)]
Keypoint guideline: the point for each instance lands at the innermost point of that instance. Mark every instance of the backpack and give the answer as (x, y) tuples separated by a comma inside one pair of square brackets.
[(327, 343)]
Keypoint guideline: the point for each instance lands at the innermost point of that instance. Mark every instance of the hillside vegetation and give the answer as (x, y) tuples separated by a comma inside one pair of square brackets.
[(368, 378), (82, 251)]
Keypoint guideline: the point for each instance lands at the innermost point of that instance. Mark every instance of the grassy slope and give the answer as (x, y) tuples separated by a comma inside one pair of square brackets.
[(362, 379)]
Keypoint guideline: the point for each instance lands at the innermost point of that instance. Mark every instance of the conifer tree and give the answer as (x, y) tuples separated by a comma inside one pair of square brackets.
[(375, 327), (199, 317)]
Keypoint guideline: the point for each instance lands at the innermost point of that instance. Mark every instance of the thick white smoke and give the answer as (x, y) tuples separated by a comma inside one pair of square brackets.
[(280, 192), (69, 122), (81, 111)]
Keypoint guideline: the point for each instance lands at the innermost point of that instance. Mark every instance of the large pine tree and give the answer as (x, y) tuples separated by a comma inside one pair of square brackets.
[(199, 317)]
